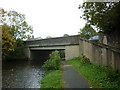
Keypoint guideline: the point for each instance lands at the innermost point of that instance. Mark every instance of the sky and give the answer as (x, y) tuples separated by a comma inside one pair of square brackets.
[(49, 17)]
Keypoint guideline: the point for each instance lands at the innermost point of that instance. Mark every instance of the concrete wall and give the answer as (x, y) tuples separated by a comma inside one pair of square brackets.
[(27, 53), (59, 41), (75, 47), (100, 54), (71, 51)]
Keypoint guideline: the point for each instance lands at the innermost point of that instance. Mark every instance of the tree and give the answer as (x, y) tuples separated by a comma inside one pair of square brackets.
[(14, 30), (105, 16), (87, 31), (20, 28), (65, 35), (8, 42), (47, 37)]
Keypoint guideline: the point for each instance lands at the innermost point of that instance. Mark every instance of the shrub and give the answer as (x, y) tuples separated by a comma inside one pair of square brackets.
[(17, 54), (85, 60), (54, 62)]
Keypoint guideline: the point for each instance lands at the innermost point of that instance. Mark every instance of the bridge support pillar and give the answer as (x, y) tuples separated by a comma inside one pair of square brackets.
[(28, 53), (71, 51)]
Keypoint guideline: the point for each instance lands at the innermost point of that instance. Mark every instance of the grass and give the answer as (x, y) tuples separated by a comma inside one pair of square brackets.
[(53, 75), (52, 79), (98, 76)]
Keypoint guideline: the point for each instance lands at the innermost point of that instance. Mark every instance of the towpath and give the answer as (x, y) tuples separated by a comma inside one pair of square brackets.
[(72, 79)]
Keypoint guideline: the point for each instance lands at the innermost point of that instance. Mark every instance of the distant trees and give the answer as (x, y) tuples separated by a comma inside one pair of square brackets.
[(65, 35), (87, 32), (48, 37), (105, 16)]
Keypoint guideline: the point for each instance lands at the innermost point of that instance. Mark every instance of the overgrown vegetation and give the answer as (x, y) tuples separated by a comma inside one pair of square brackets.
[(105, 17), (54, 62), (98, 76), (17, 54), (14, 30), (87, 32), (53, 74)]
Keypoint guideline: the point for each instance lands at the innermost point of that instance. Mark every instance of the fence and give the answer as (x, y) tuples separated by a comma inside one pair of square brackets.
[(100, 54)]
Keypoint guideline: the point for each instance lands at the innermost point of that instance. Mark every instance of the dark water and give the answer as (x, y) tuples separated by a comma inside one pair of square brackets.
[(21, 74)]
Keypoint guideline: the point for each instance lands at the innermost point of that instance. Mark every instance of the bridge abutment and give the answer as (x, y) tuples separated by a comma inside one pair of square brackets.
[(70, 44), (71, 51), (27, 53)]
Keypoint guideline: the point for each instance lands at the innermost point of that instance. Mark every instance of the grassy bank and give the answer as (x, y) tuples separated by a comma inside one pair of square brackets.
[(53, 75), (98, 76), (52, 79)]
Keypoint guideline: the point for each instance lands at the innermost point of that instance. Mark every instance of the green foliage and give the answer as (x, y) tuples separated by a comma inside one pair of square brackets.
[(19, 42), (52, 80), (20, 28), (87, 32), (14, 30), (8, 41), (103, 15), (54, 62), (65, 35), (48, 37), (62, 54), (98, 76), (53, 75), (85, 60), (17, 54)]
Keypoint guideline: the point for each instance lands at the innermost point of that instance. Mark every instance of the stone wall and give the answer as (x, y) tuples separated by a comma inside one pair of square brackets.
[(71, 51), (100, 54)]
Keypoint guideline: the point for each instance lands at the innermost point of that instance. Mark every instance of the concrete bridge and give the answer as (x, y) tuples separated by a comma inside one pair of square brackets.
[(43, 47)]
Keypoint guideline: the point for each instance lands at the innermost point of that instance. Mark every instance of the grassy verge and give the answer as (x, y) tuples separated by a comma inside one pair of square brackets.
[(52, 79), (98, 76), (53, 75)]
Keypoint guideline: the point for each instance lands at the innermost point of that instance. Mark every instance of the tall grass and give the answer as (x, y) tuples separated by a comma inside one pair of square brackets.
[(98, 76)]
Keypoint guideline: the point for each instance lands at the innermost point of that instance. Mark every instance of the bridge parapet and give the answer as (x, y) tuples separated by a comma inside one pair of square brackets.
[(59, 41)]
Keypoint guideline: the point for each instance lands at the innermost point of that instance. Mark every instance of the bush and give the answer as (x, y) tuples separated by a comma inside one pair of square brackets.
[(85, 60), (54, 62), (18, 54)]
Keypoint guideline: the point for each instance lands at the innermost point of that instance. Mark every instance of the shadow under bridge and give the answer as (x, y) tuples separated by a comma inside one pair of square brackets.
[(41, 54)]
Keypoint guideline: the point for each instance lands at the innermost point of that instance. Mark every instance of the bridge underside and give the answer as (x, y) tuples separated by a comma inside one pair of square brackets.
[(49, 48), (41, 54), (43, 47)]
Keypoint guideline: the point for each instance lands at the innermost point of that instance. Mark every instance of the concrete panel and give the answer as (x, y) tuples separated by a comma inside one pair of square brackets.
[(71, 52), (81, 47), (104, 56), (70, 40), (49, 48), (117, 60)]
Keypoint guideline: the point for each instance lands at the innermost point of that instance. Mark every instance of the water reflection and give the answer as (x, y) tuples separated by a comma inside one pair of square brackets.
[(21, 74)]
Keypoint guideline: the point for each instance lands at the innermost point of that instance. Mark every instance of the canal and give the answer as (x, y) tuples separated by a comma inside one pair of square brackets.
[(21, 74)]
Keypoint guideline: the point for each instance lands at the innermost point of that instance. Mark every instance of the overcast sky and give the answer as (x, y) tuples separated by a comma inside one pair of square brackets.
[(49, 17)]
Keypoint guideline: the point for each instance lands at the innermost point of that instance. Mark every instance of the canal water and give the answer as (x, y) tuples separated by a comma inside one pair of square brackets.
[(21, 74)]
